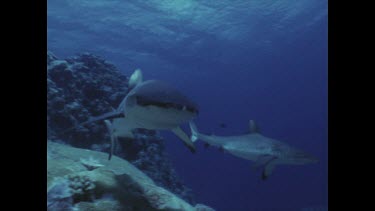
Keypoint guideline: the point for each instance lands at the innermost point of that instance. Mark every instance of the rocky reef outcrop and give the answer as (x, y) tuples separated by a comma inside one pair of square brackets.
[(86, 86), (82, 179)]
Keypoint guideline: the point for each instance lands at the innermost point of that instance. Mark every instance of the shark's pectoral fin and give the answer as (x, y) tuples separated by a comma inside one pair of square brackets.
[(267, 162), (113, 138), (182, 135), (268, 169), (263, 160), (109, 115)]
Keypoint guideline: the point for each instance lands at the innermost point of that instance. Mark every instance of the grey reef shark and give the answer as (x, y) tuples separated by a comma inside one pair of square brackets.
[(265, 152), (152, 105)]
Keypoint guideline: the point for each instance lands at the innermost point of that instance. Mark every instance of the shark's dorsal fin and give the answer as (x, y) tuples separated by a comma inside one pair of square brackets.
[(135, 78), (253, 127)]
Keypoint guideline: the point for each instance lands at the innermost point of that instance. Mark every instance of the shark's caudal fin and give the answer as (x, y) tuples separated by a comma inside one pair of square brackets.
[(194, 131), (135, 78)]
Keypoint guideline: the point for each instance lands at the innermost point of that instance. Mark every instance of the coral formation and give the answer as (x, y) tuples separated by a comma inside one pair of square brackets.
[(81, 187), (116, 186)]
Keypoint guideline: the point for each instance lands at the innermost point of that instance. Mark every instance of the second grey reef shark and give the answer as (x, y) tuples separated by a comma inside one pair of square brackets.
[(265, 152), (152, 105)]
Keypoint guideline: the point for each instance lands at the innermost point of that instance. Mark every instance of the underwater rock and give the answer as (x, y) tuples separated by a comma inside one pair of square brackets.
[(68, 181), (101, 205), (84, 86)]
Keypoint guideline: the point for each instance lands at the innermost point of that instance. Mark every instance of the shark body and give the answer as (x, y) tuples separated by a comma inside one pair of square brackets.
[(152, 105), (265, 152)]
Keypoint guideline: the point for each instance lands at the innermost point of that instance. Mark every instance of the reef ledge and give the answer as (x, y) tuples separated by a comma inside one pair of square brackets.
[(83, 179)]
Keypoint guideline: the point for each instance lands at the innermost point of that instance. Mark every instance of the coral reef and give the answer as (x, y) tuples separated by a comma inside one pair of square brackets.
[(85, 86), (81, 186), (77, 89), (116, 185)]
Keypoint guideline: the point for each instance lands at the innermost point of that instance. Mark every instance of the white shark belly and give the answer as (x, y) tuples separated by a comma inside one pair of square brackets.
[(122, 127), (153, 117), (249, 149), (244, 155)]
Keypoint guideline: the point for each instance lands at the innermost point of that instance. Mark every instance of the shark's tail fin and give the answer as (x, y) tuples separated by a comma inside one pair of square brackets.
[(194, 132)]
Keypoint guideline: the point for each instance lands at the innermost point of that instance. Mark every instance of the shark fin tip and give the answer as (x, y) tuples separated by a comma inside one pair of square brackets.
[(135, 78), (253, 127)]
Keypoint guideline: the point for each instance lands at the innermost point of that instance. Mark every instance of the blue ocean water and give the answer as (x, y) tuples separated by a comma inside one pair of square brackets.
[(238, 60)]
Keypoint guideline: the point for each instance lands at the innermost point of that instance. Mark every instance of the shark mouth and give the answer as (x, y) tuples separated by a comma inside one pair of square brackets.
[(147, 102)]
